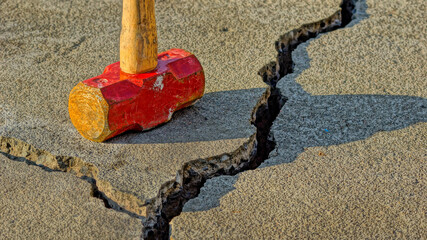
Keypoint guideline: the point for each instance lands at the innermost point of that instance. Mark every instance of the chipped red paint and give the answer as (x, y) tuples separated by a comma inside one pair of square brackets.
[(143, 101)]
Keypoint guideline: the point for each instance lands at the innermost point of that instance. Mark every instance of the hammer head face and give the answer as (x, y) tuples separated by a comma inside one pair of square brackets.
[(114, 102)]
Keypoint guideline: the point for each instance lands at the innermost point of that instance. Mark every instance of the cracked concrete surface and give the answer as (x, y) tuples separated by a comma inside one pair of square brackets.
[(37, 204), (174, 194), (351, 142), (374, 188), (49, 46)]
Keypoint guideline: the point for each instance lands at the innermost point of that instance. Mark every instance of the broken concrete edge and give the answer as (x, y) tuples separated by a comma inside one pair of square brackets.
[(190, 179), (192, 176), (173, 194), (19, 150)]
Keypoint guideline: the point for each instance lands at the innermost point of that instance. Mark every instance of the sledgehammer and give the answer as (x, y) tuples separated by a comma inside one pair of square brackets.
[(141, 91)]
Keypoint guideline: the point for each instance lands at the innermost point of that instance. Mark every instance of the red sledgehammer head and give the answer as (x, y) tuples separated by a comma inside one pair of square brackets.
[(114, 102)]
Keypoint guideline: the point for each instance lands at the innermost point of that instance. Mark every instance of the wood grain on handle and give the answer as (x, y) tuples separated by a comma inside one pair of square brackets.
[(138, 37)]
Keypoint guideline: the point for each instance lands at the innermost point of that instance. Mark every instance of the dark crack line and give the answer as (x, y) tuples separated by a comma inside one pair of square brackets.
[(94, 191), (64, 163), (190, 179)]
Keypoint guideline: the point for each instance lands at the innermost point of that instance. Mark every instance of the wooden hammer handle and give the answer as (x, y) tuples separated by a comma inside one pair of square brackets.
[(138, 38)]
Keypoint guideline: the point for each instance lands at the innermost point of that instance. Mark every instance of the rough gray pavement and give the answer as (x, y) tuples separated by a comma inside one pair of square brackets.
[(368, 189), (38, 204), (48, 46), (350, 160), (385, 54)]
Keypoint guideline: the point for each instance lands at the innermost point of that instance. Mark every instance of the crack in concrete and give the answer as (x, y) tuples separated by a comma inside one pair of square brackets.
[(173, 194), (190, 179), (18, 150)]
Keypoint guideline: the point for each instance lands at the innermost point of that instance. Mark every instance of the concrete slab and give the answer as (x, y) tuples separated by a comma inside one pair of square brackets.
[(48, 46), (351, 140), (373, 188), (384, 54), (38, 204)]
